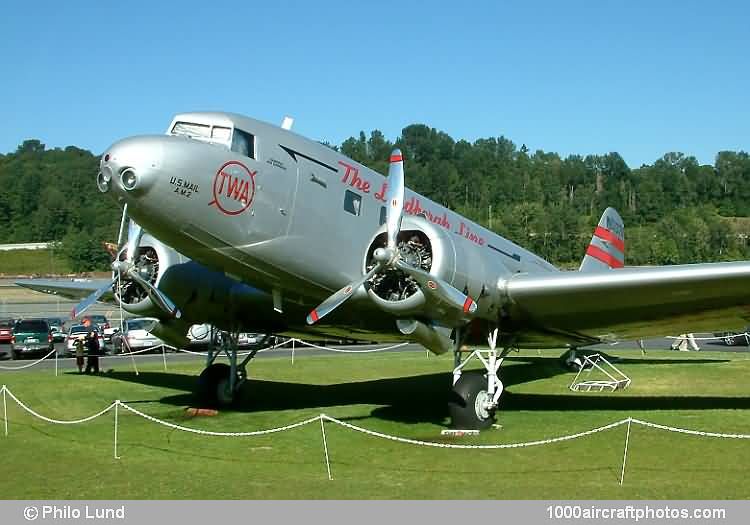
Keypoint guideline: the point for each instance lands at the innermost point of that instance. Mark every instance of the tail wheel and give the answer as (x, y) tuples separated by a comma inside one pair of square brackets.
[(213, 385), (468, 407)]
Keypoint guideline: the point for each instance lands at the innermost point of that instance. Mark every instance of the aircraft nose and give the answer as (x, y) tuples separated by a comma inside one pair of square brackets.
[(130, 167)]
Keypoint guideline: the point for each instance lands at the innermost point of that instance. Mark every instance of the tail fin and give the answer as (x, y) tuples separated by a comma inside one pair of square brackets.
[(607, 247)]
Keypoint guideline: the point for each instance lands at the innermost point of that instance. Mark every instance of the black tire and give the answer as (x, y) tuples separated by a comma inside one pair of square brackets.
[(213, 386), (465, 414), (15, 355), (729, 340)]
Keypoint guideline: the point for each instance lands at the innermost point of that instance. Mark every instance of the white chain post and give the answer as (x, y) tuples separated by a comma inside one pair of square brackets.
[(325, 447), (5, 411), (293, 345), (56, 362), (625, 454), (117, 405), (164, 356)]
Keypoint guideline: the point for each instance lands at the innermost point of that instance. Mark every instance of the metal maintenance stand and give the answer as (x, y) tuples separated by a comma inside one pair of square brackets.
[(616, 380)]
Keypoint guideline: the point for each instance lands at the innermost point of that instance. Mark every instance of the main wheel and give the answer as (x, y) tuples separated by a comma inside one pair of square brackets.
[(729, 340), (466, 408), (213, 385)]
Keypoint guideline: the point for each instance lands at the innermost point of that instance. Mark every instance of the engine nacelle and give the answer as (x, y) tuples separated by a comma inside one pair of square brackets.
[(432, 248), (201, 294)]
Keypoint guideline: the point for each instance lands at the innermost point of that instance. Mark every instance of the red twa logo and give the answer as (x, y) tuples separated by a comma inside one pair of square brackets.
[(234, 188)]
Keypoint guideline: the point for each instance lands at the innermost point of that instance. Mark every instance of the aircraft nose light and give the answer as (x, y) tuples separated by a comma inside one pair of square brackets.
[(129, 179)]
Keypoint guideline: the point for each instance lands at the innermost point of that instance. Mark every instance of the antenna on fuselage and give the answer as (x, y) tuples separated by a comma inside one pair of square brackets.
[(287, 122)]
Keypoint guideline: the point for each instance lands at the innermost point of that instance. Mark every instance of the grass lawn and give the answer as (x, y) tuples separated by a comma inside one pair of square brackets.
[(25, 262), (400, 394)]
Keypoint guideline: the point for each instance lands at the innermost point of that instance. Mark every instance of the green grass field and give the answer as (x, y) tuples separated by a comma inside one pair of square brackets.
[(399, 394), (39, 262)]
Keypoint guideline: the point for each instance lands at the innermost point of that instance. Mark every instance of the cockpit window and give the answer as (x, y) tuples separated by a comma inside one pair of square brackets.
[(243, 143), (221, 134), (201, 131)]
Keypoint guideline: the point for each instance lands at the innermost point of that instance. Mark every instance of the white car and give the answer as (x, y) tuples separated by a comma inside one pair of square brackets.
[(79, 331), (135, 336)]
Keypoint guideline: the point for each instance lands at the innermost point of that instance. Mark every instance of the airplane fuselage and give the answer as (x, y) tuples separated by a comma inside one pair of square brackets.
[(289, 215)]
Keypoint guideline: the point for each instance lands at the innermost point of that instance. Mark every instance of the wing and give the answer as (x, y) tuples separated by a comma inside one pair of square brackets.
[(629, 303), (70, 288)]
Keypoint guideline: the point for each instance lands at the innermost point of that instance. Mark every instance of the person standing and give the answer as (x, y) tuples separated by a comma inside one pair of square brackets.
[(92, 349), (79, 347)]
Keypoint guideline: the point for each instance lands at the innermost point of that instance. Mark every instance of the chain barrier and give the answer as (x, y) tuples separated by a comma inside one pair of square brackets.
[(20, 403), (712, 337), (214, 433), (323, 417), (203, 354), (27, 365), (454, 445), (691, 432), (369, 350)]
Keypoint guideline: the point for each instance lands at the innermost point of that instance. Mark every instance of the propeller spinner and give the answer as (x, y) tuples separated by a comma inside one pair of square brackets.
[(390, 256)]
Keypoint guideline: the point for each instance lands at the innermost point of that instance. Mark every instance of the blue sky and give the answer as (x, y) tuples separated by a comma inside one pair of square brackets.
[(640, 78)]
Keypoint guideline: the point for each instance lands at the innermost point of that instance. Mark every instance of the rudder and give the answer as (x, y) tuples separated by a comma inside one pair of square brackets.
[(607, 247)]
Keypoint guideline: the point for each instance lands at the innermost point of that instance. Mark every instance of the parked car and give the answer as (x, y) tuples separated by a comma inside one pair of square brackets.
[(135, 336), (57, 326), (109, 332), (31, 336), (6, 330), (79, 331), (99, 321)]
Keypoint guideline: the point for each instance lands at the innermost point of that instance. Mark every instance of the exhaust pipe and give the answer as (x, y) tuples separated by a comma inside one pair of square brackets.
[(432, 339)]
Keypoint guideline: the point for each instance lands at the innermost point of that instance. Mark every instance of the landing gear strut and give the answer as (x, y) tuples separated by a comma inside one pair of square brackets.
[(219, 383), (476, 394)]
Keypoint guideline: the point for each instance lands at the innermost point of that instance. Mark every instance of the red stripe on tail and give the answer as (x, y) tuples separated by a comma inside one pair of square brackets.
[(606, 258), (610, 237)]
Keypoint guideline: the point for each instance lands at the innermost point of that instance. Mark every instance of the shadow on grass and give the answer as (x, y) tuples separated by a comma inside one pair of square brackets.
[(424, 398)]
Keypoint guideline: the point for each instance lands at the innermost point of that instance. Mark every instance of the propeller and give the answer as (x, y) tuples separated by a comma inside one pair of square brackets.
[(390, 256), (128, 268)]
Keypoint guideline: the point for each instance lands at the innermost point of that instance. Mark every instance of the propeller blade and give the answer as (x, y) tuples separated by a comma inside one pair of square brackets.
[(395, 197), (157, 296), (91, 299), (431, 285), (123, 220), (337, 299), (135, 232)]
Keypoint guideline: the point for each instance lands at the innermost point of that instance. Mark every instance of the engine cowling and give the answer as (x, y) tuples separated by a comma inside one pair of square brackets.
[(432, 248), (202, 295)]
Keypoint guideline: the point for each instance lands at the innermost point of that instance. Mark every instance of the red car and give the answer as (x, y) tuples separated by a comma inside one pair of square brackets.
[(6, 330)]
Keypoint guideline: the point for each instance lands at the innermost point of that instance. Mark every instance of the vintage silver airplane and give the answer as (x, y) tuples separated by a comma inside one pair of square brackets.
[(273, 223)]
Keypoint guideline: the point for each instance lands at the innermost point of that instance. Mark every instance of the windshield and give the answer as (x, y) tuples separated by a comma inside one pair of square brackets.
[(140, 324), (80, 329), (32, 326), (204, 132)]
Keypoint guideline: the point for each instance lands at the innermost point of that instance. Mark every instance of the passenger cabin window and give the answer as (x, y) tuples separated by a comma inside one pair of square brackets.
[(243, 143), (353, 202)]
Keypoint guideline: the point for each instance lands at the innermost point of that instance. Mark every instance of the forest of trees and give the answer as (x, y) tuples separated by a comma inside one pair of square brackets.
[(675, 210)]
